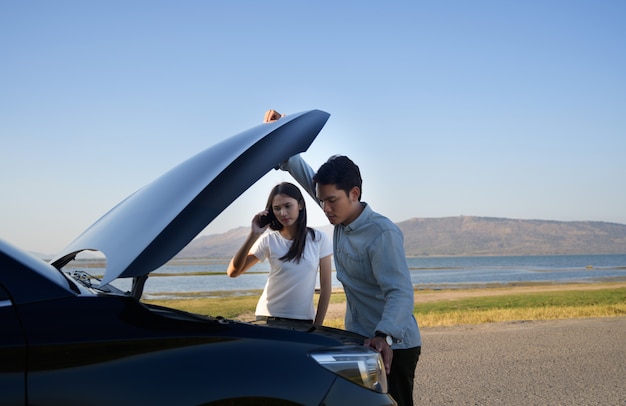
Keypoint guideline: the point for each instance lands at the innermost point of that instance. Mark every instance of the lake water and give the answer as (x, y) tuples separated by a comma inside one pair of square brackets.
[(426, 273)]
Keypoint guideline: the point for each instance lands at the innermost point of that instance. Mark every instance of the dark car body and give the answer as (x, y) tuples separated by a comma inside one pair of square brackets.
[(69, 340)]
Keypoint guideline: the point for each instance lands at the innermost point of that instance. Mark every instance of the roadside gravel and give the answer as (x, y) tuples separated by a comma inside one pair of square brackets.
[(556, 362)]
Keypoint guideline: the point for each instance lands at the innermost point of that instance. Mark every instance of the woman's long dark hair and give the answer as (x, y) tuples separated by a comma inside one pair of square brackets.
[(297, 247)]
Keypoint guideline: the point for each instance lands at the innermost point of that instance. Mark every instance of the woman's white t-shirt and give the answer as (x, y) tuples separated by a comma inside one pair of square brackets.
[(290, 285)]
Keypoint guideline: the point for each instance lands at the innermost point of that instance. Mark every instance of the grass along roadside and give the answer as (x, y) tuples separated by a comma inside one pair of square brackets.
[(548, 305), (456, 306)]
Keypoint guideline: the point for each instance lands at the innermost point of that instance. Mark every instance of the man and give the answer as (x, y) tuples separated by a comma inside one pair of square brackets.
[(371, 265)]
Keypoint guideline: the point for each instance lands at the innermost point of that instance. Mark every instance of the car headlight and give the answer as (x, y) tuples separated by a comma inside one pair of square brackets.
[(359, 364)]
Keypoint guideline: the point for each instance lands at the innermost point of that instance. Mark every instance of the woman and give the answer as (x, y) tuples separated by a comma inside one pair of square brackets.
[(294, 251)]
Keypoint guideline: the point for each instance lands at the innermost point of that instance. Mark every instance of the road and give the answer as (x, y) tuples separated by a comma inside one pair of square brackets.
[(559, 362)]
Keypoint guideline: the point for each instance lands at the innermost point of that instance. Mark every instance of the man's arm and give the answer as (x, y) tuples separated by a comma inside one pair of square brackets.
[(302, 173), (393, 277)]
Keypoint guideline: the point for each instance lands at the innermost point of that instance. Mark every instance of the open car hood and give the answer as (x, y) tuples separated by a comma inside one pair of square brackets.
[(153, 224)]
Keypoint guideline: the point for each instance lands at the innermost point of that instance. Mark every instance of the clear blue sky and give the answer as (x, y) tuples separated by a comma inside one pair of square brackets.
[(496, 108)]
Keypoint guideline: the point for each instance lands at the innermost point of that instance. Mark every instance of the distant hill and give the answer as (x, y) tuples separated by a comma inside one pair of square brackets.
[(467, 236), (215, 245)]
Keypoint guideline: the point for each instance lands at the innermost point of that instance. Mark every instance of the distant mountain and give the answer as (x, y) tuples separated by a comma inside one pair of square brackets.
[(463, 235), (215, 245), (467, 236)]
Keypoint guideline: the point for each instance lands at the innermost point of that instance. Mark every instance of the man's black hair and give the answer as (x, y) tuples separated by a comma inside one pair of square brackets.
[(340, 171)]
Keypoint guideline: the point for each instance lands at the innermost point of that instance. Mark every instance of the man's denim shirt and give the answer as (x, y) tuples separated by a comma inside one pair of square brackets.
[(371, 264)]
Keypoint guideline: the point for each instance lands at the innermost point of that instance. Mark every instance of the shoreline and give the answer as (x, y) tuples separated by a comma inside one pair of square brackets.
[(424, 293), (428, 295)]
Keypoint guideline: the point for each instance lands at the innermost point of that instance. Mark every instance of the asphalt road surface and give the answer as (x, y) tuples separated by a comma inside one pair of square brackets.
[(558, 362)]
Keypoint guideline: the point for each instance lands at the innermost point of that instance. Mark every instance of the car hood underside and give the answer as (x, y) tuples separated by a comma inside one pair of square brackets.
[(153, 224)]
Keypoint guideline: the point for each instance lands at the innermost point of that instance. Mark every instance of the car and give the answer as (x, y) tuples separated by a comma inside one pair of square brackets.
[(69, 338)]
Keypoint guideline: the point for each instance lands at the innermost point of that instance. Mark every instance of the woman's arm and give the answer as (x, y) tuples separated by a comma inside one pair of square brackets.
[(243, 260), (325, 290)]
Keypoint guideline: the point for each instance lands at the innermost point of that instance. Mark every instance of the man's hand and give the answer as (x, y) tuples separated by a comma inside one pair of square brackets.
[(379, 344), (272, 115)]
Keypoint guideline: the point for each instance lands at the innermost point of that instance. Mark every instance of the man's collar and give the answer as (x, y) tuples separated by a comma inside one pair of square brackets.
[(361, 219)]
